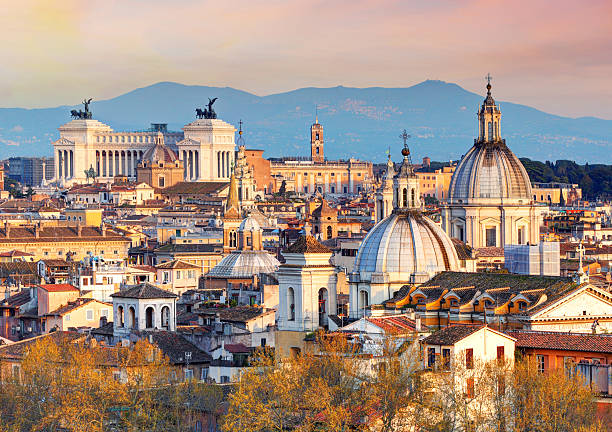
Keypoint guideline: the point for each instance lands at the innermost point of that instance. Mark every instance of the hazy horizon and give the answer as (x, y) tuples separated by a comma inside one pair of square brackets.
[(556, 57)]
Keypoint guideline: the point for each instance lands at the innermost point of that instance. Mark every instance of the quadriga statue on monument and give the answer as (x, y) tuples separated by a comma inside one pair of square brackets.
[(83, 115), (207, 113)]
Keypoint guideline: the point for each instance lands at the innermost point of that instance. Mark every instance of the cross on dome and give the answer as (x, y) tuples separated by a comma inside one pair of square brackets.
[(488, 78)]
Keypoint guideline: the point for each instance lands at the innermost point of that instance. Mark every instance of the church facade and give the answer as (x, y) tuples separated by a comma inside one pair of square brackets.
[(490, 199), (205, 148)]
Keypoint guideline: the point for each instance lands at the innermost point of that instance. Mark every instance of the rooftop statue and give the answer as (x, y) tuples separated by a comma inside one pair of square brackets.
[(83, 115), (207, 113)]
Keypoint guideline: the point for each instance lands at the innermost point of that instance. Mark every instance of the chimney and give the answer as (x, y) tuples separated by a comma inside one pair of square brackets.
[(7, 293), (79, 229), (418, 323), (103, 229), (37, 230)]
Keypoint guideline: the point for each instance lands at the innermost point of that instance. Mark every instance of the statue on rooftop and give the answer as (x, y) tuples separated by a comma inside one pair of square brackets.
[(207, 113), (82, 115)]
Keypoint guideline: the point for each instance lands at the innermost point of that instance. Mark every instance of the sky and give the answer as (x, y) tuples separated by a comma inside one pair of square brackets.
[(553, 55)]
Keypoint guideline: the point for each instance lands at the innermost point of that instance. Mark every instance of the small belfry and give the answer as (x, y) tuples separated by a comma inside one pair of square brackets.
[(316, 141), (244, 175), (406, 183), (489, 118), (384, 194), (232, 216)]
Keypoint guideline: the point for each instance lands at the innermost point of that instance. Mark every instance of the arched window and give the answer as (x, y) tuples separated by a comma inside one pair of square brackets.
[(363, 301), (405, 197), (490, 131), (149, 317), (329, 232), (291, 304), (165, 318), (120, 316), (323, 307), (132, 318), (412, 197)]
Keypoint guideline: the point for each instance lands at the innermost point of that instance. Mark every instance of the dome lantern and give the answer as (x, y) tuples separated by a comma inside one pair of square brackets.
[(406, 194)]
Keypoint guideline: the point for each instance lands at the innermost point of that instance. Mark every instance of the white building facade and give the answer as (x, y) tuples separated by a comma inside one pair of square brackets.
[(307, 287), (206, 147)]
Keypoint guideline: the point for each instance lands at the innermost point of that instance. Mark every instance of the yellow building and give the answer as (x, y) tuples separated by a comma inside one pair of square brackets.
[(178, 276), (45, 242), (551, 193), (435, 184), (82, 312), (84, 216), (316, 174)]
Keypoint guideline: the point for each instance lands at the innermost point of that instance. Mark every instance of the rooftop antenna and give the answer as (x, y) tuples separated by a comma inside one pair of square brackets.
[(316, 113)]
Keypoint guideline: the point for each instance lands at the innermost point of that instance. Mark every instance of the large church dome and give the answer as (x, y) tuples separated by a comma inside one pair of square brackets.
[(490, 172), (408, 246)]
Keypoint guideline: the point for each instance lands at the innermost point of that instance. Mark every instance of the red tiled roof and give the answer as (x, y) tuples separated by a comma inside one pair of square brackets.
[(145, 268), (490, 251), (15, 253), (58, 287), (67, 308), (599, 343), (394, 324), (452, 334), (238, 348)]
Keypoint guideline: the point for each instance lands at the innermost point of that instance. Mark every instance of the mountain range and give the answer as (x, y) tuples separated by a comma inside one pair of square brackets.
[(358, 122)]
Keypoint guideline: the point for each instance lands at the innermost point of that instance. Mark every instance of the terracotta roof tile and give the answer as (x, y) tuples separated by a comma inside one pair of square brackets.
[(58, 287), (452, 334), (394, 324), (62, 310), (238, 348), (599, 343), (177, 264), (490, 251)]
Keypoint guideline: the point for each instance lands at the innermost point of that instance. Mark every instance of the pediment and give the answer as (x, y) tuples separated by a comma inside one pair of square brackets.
[(63, 141), (587, 300), (188, 142)]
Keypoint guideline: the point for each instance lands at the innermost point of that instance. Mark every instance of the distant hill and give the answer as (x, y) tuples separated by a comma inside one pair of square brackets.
[(358, 122)]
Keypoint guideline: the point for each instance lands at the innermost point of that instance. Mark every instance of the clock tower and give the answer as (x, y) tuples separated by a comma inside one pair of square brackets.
[(316, 141)]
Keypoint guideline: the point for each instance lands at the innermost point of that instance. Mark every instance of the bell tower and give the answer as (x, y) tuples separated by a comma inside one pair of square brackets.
[(384, 195), (316, 141)]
